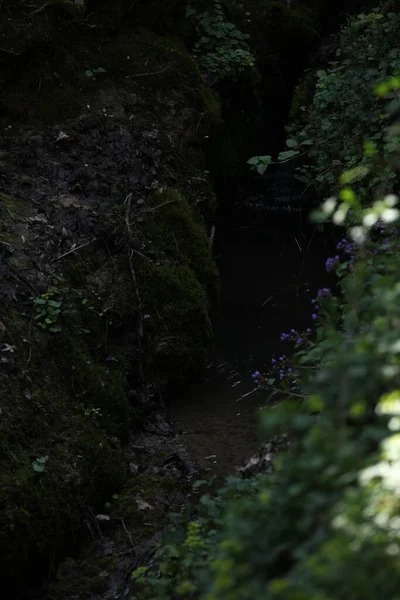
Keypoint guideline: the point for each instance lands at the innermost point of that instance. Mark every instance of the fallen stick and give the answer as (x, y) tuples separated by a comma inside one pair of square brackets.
[(74, 250)]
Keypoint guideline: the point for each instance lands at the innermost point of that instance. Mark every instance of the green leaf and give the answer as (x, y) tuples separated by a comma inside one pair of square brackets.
[(288, 154), (262, 168), (291, 143), (349, 196), (253, 161), (54, 303), (353, 175), (37, 467), (199, 483)]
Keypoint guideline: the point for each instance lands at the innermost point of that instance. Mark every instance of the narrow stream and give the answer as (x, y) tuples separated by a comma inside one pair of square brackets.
[(270, 271)]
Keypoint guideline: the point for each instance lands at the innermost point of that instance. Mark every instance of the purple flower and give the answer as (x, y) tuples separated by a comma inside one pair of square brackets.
[(332, 263), (314, 316), (346, 246), (299, 341), (256, 375), (273, 361), (322, 293), (284, 337), (309, 330)]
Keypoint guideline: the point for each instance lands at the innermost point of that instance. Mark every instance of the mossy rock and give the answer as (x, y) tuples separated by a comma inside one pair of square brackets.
[(174, 229), (97, 386), (149, 60), (178, 330), (178, 286)]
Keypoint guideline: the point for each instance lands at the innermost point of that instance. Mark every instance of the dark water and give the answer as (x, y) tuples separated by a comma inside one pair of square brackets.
[(269, 272)]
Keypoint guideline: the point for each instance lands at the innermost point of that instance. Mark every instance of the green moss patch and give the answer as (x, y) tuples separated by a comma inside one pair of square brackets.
[(178, 286), (174, 229)]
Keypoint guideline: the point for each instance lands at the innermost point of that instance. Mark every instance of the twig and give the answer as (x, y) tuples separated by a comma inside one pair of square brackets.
[(140, 254), (135, 284), (127, 533), (247, 394), (40, 9), (10, 213), (74, 250), (39, 86), (298, 245), (9, 51), (97, 523), (176, 243), (110, 255), (90, 529), (28, 360), (200, 120), (159, 206), (147, 74), (278, 391), (292, 157)]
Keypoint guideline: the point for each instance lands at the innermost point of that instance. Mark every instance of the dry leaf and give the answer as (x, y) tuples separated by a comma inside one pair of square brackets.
[(142, 504)]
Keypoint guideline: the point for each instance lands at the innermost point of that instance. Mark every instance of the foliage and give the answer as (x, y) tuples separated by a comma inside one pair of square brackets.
[(260, 163), (48, 311), (39, 464), (221, 47), (345, 114), (91, 73), (324, 523)]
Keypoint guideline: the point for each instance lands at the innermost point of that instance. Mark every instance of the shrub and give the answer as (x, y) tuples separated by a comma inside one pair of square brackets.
[(323, 523), (222, 49), (344, 114)]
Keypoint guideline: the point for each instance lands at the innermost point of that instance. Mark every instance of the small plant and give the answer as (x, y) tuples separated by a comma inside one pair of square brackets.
[(260, 163), (38, 465), (93, 413), (48, 311), (108, 505), (222, 48), (91, 73)]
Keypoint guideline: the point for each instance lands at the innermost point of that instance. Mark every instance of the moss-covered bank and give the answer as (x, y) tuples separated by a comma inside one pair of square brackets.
[(105, 205)]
